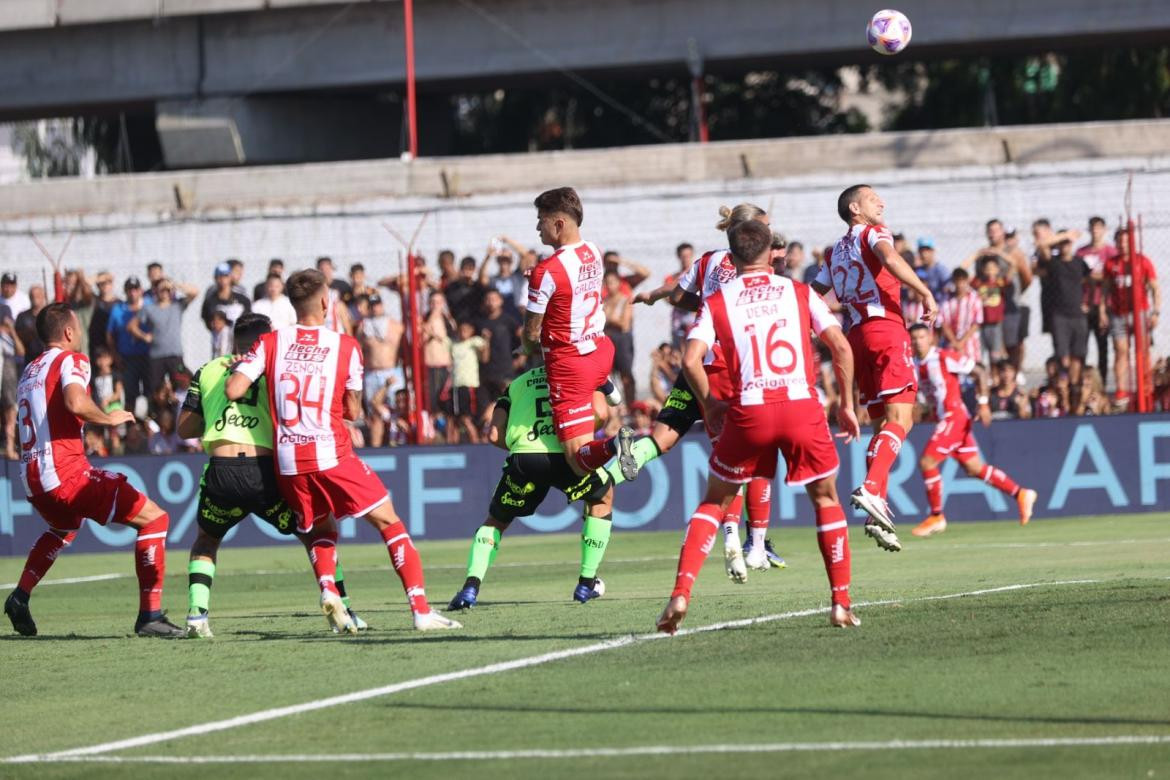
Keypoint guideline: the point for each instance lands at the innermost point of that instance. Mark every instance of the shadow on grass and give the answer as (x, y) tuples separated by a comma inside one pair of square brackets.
[(1094, 720)]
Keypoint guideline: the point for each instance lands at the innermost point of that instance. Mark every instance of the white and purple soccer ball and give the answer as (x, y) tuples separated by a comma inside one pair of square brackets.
[(888, 32)]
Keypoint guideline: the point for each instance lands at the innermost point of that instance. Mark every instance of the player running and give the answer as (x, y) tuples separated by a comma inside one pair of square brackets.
[(566, 322), (681, 410), (864, 272), (763, 322), (522, 424), (314, 378), (938, 382), (240, 477), (53, 403)]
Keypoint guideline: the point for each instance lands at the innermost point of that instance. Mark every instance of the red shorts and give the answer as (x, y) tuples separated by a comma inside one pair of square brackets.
[(572, 380), (349, 489), (718, 377), (100, 495), (751, 435), (952, 438), (883, 364)]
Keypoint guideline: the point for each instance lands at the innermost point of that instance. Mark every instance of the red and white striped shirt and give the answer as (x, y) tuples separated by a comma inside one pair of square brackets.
[(762, 321), (862, 283), (705, 278), (566, 288), (959, 314), (309, 368), (938, 381), (51, 450)]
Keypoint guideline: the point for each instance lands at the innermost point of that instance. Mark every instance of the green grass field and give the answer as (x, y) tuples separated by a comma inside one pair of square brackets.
[(1082, 653)]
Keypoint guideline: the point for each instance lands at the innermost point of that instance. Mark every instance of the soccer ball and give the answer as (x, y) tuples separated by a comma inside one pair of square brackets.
[(599, 586), (888, 32)]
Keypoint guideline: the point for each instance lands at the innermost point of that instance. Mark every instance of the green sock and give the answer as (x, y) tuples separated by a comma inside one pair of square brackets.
[(484, 548), (594, 540), (199, 576), (644, 449), (339, 581)]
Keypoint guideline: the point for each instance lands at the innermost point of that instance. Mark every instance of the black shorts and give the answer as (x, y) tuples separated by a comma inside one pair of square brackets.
[(233, 488), (1070, 335), (681, 409), (623, 351), (527, 478)]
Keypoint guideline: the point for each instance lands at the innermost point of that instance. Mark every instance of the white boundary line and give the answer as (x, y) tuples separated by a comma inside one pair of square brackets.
[(71, 580), (481, 671), (647, 750)]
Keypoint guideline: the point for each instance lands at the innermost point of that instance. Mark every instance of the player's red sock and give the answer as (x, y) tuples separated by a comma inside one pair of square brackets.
[(883, 451), (596, 454), (934, 493), (150, 563), (833, 539), (323, 557), (41, 557), (998, 480), (701, 532), (408, 564)]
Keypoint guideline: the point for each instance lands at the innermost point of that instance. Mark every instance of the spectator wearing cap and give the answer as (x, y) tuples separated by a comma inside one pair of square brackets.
[(160, 325), (380, 337), (932, 273), (275, 266), (223, 298), (274, 304), (131, 354)]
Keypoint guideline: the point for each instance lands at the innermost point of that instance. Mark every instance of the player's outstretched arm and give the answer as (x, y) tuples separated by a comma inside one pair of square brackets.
[(834, 338), (79, 402), (905, 274), (655, 295), (190, 424)]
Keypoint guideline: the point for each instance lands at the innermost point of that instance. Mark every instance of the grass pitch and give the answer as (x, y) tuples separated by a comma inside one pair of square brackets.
[(930, 685)]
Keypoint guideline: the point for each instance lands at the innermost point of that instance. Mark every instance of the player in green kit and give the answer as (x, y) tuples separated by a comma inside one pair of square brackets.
[(240, 478), (522, 424)]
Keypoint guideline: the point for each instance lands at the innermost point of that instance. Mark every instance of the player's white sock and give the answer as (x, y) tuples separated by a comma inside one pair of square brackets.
[(758, 535), (731, 535)]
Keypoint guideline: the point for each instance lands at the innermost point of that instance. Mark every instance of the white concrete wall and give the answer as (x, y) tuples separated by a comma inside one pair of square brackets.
[(644, 222)]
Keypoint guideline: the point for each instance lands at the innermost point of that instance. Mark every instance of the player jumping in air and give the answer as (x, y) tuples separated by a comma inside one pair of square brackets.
[(522, 424), (681, 410), (864, 271), (240, 477), (53, 403), (566, 322), (763, 321), (938, 383), (314, 378)]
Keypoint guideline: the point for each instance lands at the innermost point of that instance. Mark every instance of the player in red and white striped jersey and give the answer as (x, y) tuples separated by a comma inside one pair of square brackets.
[(314, 385), (866, 274), (763, 321), (681, 411), (938, 385), (961, 316), (566, 322), (53, 403)]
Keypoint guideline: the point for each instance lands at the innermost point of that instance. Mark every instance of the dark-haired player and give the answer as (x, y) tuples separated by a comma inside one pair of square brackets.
[(866, 273), (314, 378), (938, 384), (240, 476), (522, 424), (53, 403), (763, 322), (566, 322)]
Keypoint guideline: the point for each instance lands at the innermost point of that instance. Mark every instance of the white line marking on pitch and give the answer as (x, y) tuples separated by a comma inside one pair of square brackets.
[(71, 580), (481, 671), (647, 750)]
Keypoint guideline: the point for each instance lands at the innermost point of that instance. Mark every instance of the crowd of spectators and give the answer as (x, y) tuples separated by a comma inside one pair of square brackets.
[(471, 310)]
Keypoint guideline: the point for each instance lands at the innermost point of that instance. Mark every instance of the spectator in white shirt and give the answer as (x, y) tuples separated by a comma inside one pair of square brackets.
[(275, 305)]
